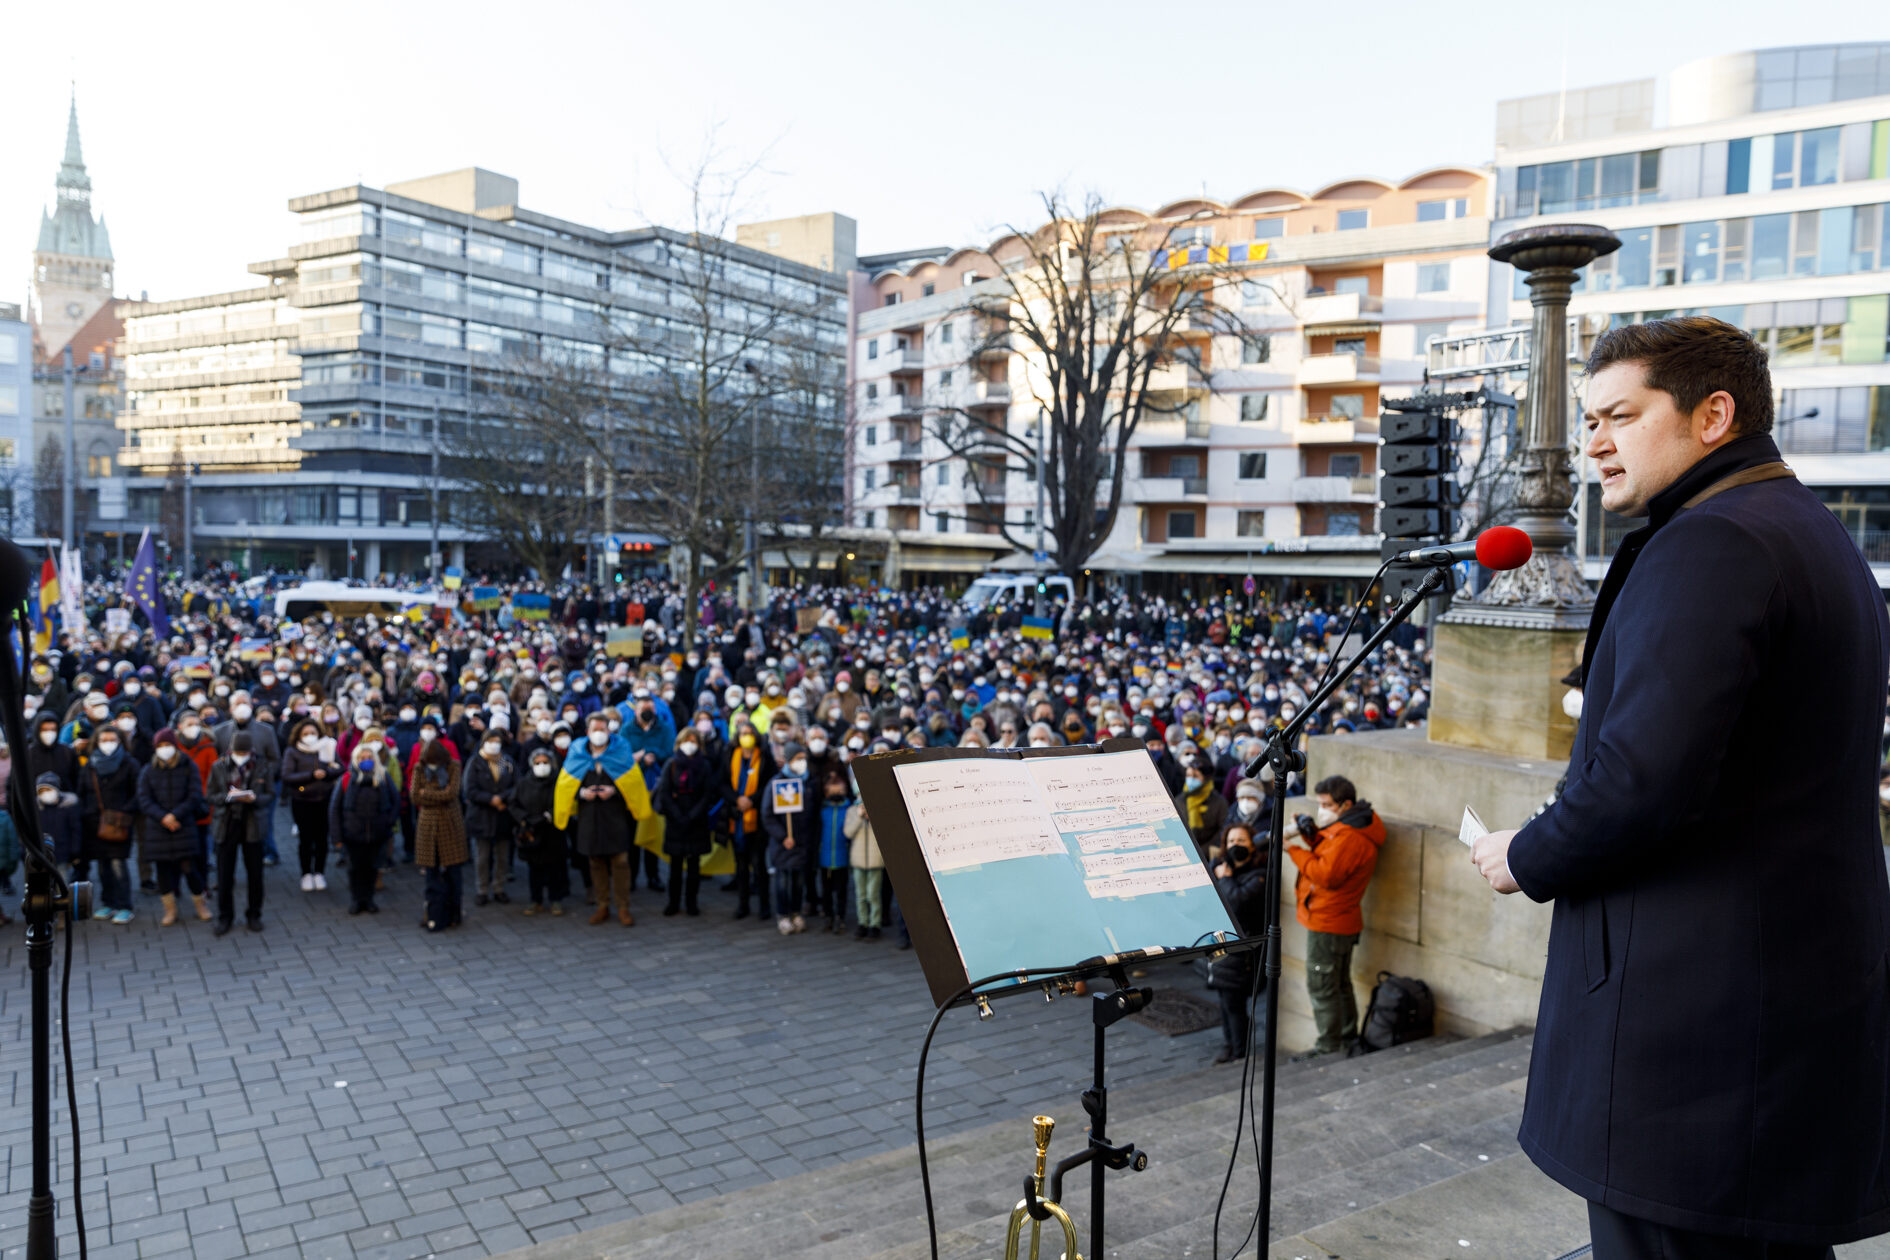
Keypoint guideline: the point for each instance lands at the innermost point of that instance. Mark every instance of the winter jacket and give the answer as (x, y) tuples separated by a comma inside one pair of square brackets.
[(117, 790), (439, 824), (484, 821), (1244, 893), (298, 776), (240, 821), (1334, 872), (362, 812), (835, 845), (863, 854), (748, 772), (9, 845), (688, 795), (533, 802), (175, 790), (603, 828), (1207, 805), (60, 826)]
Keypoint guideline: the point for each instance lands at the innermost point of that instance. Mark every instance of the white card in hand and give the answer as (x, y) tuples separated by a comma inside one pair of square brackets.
[(1472, 827)]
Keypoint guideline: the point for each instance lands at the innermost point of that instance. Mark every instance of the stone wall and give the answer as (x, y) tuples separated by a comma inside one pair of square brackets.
[(1428, 914)]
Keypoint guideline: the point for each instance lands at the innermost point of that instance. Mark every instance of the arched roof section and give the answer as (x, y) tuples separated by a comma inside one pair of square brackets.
[(1115, 216), (1268, 199), (957, 256), (1444, 177), (1190, 205), (1356, 188)]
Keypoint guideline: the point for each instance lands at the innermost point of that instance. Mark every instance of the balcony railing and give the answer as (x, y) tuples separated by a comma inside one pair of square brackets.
[(908, 493), (911, 449), (1175, 378), (990, 394), (1334, 490), (1194, 485), (1325, 430), (1158, 427), (1337, 369), (910, 359), (1340, 308)]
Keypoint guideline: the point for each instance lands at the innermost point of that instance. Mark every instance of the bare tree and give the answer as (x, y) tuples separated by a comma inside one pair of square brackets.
[(724, 434), (529, 466), (1113, 336)]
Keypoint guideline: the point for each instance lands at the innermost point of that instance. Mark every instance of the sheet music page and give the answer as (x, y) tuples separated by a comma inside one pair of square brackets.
[(972, 812), (1116, 805)]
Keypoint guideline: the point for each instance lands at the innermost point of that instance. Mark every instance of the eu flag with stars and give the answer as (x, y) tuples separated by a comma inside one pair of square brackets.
[(142, 584)]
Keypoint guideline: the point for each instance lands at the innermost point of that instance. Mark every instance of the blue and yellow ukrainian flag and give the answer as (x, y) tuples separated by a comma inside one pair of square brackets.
[(1039, 628), (617, 762)]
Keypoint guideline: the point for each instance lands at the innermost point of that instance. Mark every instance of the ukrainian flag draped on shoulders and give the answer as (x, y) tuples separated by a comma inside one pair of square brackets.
[(617, 763)]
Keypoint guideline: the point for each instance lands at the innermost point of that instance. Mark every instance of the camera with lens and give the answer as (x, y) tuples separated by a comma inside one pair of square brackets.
[(1307, 826)]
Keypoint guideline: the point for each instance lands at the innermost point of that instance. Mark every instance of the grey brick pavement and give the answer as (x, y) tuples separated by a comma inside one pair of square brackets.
[(338, 1086)]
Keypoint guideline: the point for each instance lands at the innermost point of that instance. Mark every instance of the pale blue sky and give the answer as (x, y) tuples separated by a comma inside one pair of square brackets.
[(930, 124)]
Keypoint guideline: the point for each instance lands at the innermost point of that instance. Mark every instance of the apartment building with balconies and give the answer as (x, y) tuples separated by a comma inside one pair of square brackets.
[(1754, 187), (1258, 451)]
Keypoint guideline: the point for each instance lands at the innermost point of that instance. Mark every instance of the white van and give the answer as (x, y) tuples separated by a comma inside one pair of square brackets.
[(1016, 586)]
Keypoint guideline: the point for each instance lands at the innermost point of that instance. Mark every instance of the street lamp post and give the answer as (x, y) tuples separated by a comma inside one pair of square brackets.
[(68, 475), (1552, 581)]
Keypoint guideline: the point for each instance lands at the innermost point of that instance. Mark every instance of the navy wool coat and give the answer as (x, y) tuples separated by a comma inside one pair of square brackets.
[(1713, 1048)]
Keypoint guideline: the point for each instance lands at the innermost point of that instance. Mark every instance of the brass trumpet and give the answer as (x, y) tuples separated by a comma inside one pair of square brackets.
[(1041, 1127)]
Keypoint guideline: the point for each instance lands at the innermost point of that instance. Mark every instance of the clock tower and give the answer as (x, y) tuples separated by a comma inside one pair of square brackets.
[(72, 264)]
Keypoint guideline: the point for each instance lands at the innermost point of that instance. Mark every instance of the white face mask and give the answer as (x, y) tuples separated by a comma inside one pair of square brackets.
[(1572, 704), (816, 746), (843, 687), (428, 734), (165, 752), (562, 741), (307, 743), (241, 712), (49, 797), (491, 747), (1040, 743), (363, 720), (1325, 817), (408, 715), (599, 738), (189, 732), (133, 688), (542, 769), (107, 747), (687, 750), (798, 767), (1247, 807), (240, 758), (127, 724)]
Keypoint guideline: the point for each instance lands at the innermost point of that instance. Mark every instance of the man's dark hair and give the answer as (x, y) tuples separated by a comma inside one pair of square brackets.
[(1692, 357), (1338, 787)]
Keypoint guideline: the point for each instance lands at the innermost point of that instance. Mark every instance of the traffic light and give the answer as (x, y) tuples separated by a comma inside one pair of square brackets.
[(1418, 489)]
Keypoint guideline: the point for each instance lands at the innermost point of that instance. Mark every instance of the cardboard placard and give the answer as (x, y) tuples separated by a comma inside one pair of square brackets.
[(787, 796), (623, 641)]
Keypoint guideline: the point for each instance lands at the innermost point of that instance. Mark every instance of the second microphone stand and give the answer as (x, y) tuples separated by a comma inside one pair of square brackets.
[(1283, 754)]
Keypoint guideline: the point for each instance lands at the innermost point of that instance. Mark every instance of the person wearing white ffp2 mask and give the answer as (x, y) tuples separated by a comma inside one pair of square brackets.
[(1336, 853)]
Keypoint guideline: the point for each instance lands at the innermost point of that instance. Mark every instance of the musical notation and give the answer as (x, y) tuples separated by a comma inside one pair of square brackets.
[(1096, 865), (969, 813), (1143, 883), (1122, 838)]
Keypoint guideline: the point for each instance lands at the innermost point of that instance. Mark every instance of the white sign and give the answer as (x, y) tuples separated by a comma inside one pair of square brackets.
[(118, 621)]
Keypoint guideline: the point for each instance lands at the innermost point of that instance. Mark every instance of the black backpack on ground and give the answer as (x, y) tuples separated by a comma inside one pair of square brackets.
[(1401, 1010)]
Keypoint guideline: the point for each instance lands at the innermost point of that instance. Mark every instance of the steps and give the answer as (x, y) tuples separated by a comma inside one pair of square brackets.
[(1353, 1135)]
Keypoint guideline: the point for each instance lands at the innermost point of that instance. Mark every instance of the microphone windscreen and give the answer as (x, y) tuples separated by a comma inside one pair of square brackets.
[(16, 574), (1503, 547)]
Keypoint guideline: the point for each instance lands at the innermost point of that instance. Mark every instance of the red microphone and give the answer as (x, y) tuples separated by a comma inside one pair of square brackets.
[(1500, 547)]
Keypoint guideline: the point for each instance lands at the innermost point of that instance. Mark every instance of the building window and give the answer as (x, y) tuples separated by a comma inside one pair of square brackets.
[(1345, 464), (1256, 349), (868, 518), (1433, 277), (926, 290), (1256, 293), (1342, 524), (9, 349), (1361, 285), (9, 450), (10, 400), (869, 478), (945, 334), (944, 474), (945, 379), (1348, 345), (1352, 220), (941, 522), (1254, 407), (1181, 525), (1421, 335), (1251, 524), (1202, 234), (1619, 179), (1432, 211), (892, 299), (872, 348), (872, 435), (1348, 406), (1253, 465), (98, 465), (1268, 229), (872, 391)]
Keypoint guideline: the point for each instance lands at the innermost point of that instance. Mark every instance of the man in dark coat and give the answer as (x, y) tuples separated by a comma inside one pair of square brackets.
[(1712, 1058), (238, 791), (687, 795)]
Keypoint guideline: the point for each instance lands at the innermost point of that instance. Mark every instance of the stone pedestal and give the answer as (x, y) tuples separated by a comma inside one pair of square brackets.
[(1428, 913), (1499, 687)]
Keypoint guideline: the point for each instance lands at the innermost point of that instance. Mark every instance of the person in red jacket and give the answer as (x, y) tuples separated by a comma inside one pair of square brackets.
[(1336, 854)]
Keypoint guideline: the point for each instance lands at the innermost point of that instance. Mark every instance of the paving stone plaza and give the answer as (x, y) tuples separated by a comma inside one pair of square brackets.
[(338, 1086)]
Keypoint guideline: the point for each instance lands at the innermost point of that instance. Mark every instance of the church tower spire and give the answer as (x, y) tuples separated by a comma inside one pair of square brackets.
[(72, 262)]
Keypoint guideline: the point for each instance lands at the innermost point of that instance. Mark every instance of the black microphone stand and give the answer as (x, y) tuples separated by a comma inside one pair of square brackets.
[(48, 897), (1283, 754)]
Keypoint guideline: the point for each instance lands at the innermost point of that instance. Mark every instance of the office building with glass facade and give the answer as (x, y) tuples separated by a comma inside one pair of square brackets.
[(312, 406), (1753, 187)]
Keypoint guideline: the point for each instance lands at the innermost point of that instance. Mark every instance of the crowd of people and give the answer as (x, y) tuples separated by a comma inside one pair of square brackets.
[(485, 741)]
